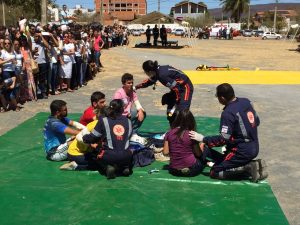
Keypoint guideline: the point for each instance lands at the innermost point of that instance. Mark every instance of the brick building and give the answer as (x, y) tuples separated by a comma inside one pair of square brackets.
[(122, 10)]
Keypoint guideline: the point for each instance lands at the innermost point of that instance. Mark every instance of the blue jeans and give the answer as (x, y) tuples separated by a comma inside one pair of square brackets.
[(136, 124), (97, 55)]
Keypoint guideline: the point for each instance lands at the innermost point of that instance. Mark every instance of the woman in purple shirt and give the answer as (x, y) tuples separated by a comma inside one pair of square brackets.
[(184, 153)]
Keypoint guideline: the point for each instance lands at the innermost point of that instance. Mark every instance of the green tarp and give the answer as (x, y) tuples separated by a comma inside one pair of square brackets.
[(35, 191)]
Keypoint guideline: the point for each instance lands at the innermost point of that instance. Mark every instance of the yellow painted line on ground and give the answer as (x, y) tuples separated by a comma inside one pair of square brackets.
[(244, 77)]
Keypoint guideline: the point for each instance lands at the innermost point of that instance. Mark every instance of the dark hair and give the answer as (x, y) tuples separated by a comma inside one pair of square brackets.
[(56, 105), (115, 108), (150, 65), (184, 121), (96, 96), (226, 91), (126, 77)]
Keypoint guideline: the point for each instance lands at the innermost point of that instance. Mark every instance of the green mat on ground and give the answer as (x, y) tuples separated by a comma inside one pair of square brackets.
[(35, 191)]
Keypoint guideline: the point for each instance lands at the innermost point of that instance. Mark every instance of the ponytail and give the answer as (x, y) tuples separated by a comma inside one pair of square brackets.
[(114, 109), (150, 65)]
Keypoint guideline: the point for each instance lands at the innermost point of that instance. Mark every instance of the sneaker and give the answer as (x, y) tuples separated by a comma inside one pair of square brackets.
[(185, 171), (126, 172), (263, 174), (69, 166), (138, 139), (253, 170), (159, 136), (160, 157), (110, 172)]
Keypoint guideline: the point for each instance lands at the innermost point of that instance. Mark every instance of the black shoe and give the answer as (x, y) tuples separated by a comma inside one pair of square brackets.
[(126, 172), (263, 174), (110, 172), (45, 96), (253, 170)]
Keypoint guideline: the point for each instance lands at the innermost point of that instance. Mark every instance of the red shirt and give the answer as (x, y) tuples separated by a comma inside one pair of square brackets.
[(88, 116), (97, 42)]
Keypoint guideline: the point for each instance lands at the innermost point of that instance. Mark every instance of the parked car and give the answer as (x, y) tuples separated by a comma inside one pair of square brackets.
[(136, 32), (271, 35), (179, 32), (247, 33), (258, 33)]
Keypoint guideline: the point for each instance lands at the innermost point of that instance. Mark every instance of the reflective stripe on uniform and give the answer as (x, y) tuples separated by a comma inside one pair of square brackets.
[(243, 128), (108, 134), (129, 133)]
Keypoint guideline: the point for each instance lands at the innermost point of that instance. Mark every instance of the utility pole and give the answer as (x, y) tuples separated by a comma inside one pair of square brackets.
[(3, 11), (275, 15), (101, 12), (249, 16), (44, 12), (158, 9)]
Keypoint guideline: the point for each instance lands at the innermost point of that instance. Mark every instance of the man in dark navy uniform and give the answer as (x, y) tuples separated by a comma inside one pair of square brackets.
[(155, 32), (148, 34), (238, 132)]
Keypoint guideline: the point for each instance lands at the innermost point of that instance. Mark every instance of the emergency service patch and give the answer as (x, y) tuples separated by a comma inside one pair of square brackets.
[(224, 129), (250, 116), (119, 130)]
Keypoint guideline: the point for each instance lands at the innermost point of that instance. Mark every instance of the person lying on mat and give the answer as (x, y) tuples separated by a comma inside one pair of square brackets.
[(238, 132), (55, 130), (185, 153)]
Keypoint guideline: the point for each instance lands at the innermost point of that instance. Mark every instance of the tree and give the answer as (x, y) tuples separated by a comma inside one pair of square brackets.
[(236, 7), (31, 9), (268, 21)]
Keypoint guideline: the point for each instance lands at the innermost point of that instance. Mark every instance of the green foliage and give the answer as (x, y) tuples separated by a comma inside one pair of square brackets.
[(200, 21), (236, 7), (14, 9), (268, 21)]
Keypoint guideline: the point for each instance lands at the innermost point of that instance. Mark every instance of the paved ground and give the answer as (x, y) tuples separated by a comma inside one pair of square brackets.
[(277, 106)]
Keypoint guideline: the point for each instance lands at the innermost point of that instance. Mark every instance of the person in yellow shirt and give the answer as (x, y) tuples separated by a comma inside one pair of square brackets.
[(82, 156)]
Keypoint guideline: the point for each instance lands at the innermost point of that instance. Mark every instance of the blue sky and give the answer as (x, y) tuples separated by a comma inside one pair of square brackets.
[(165, 5)]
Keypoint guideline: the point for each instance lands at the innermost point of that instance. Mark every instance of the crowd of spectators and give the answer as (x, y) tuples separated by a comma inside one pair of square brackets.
[(38, 61)]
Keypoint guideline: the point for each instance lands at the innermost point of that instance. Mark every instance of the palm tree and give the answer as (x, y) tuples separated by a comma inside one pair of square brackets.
[(236, 7)]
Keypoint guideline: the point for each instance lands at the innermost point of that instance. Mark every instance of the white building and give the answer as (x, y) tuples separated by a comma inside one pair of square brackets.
[(187, 9)]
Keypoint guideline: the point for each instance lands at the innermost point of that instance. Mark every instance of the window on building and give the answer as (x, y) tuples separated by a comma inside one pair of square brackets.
[(123, 5), (104, 4), (117, 5), (136, 4), (129, 4)]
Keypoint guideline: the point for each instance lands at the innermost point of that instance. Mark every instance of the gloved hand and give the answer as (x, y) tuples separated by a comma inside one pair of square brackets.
[(81, 134), (78, 126), (196, 136)]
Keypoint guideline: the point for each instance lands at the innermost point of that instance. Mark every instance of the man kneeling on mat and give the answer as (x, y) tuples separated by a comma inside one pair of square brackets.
[(238, 132)]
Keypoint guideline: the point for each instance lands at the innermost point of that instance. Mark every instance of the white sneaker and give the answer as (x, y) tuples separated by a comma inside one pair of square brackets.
[(138, 139), (69, 166)]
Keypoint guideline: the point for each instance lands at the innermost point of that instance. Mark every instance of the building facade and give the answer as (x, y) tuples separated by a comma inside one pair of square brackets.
[(189, 9), (138, 7)]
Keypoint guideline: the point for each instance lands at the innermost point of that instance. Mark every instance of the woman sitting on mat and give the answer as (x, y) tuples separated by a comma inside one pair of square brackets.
[(184, 153), (114, 130)]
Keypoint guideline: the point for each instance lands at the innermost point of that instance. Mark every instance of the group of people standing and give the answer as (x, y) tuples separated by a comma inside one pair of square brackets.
[(110, 130), (156, 32)]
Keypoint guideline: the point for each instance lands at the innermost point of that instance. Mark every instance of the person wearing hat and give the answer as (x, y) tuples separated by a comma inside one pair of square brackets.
[(172, 78)]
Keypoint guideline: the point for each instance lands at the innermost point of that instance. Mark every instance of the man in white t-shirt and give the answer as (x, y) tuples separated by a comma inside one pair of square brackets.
[(65, 17)]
